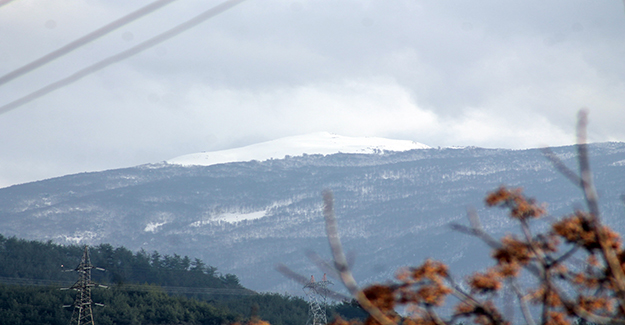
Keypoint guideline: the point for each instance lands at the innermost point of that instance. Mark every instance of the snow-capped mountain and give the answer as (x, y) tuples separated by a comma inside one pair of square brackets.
[(322, 143), (393, 208)]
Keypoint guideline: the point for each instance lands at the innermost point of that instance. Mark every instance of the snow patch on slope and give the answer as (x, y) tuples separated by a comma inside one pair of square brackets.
[(618, 163), (323, 143), (231, 217), (237, 217), (78, 236), (153, 226)]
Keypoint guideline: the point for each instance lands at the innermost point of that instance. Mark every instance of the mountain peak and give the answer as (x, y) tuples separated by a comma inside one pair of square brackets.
[(324, 143)]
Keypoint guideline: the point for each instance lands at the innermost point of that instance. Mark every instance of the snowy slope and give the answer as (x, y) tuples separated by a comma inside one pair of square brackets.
[(394, 209), (316, 143)]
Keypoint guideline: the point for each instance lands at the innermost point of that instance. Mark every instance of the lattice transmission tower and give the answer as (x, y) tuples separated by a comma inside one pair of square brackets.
[(83, 314), (317, 293)]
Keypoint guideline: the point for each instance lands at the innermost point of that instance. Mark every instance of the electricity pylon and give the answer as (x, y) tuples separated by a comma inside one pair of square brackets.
[(83, 315), (317, 300)]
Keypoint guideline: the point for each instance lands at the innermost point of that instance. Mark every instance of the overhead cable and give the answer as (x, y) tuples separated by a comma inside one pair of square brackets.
[(4, 2), (83, 40), (122, 55), (132, 287)]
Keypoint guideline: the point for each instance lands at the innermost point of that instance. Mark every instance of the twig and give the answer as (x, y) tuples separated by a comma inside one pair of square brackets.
[(524, 308), (561, 167), (508, 302), (287, 272), (474, 219), (434, 316), (584, 165), (470, 299), (340, 262), (566, 255), (537, 252), (291, 274), (577, 310), (597, 319), (490, 241), (324, 265), (545, 311), (591, 200)]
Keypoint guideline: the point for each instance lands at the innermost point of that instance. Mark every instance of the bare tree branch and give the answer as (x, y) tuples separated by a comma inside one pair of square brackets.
[(287, 272), (523, 304), (340, 261), (422, 288), (488, 239), (566, 255), (561, 167), (324, 265), (434, 316), (590, 194), (584, 165)]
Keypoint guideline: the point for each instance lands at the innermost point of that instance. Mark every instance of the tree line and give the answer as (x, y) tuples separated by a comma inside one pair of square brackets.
[(135, 294), (20, 258)]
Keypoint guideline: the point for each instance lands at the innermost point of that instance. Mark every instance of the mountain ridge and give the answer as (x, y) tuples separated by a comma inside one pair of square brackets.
[(393, 208), (308, 144)]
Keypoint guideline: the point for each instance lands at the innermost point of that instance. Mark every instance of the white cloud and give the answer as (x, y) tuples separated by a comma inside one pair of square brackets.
[(487, 73)]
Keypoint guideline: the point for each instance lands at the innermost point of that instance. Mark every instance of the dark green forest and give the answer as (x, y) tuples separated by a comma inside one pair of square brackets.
[(144, 288), (43, 305), (36, 260)]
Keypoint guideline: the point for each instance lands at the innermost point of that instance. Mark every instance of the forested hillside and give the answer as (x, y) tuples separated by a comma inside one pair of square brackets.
[(35, 260), (43, 305), (144, 288)]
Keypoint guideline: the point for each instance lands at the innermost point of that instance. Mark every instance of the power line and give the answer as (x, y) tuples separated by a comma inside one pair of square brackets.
[(5, 2), (133, 287), (83, 40), (122, 55)]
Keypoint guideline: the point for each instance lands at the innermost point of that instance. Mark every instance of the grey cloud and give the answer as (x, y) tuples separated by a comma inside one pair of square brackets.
[(484, 73)]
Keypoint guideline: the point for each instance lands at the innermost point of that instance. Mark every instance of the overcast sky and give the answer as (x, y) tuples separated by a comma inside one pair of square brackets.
[(488, 73)]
